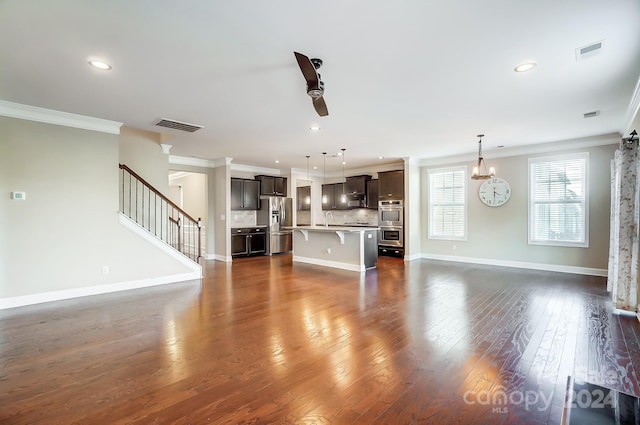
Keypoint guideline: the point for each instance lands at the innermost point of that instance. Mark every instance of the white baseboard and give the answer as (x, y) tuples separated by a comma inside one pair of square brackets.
[(194, 273), (622, 312), (519, 264), (412, 257), (327, 263), (44, 297), (217, 257)]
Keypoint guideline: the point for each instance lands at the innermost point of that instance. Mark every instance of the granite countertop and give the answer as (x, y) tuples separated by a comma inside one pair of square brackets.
[(334, 228)]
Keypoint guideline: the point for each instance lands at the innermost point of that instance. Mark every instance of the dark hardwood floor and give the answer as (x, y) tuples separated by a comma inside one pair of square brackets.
[(265, 341)]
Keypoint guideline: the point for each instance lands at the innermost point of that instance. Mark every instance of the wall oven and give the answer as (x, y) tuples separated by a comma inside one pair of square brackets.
[(390, 213), (392, 236)]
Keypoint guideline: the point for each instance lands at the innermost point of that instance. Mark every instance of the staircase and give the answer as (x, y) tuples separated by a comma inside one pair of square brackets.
[(157, 214)]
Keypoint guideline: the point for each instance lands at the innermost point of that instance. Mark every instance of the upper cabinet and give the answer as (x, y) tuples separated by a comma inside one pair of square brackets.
[(357, 185), (372, 194), (245, 194), (391, 185), (272, 186), (332, 197)]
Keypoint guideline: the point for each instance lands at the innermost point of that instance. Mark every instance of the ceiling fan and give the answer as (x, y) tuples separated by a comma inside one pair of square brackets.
[(315, 86)]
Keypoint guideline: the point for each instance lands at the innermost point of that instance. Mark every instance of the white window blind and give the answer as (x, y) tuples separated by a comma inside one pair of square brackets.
[(558, 202), (447, 203)]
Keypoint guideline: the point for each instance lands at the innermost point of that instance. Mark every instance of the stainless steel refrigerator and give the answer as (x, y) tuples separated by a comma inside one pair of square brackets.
[(276, 213)]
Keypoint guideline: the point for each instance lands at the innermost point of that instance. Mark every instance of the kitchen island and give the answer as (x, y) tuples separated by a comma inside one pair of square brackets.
[(342, 247)]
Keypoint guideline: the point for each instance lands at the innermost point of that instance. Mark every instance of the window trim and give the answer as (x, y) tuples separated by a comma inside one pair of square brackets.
[(530, 220), (430, 234)]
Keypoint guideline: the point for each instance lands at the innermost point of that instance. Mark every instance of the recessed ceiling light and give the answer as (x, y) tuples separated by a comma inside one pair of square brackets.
[(103, 66), (314, 128), (277, 161), (344, 162), (380, 157), (524, 67), (315, 167)]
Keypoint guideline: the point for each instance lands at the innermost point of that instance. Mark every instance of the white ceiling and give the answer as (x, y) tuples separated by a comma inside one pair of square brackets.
[(414, 78)]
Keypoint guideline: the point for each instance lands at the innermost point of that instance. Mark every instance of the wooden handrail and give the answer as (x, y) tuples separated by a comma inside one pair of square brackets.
[(157, 192)]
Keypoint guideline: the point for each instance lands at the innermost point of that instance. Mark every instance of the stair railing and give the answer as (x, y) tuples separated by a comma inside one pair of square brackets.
[(156, 213)]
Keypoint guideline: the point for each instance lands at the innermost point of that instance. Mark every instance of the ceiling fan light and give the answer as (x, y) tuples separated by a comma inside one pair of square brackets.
[(315, 93)]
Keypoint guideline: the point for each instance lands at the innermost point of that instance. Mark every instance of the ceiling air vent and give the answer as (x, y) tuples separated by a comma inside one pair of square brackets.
[(589, 50), (591, 114), (177, 125)]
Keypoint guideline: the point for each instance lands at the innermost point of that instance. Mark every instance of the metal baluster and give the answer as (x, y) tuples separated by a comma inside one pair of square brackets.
[(130, 195), (199, 238), (155, 214)]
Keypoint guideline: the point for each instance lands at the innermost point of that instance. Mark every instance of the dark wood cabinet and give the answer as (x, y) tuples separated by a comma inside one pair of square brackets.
[(303, 194), (357, 185), (391, 185), (245, 194), (280, 186), (248, 241), (332, 197), (272, 185), (372, 194)]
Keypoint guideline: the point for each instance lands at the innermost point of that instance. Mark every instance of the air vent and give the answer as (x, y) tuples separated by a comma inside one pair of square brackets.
[(589, 50), (177, 125), (591, 114)]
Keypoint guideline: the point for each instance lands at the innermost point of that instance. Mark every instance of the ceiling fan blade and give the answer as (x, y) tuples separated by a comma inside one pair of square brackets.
[(321, 106), (308, 70)]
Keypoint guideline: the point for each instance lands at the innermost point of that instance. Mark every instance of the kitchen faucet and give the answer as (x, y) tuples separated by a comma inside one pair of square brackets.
[(326, 218)]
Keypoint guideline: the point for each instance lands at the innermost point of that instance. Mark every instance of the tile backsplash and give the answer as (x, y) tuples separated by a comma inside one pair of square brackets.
[(243, 218), (350, 217)]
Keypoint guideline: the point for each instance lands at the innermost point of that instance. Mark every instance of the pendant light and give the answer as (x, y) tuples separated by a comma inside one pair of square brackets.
[(308, 198), (324, 175), (343, 198), (480, 170)]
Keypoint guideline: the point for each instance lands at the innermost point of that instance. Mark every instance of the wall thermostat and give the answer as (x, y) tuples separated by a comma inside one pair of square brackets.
[(20, 196)]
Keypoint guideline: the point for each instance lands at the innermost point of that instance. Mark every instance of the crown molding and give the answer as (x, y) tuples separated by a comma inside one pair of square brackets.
[(253, 169), (583, 143), (194, 162), (215, 163), (50, 116), (632, 118)]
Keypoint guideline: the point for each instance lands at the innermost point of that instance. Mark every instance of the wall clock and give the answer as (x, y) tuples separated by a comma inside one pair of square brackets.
[(494, 192)]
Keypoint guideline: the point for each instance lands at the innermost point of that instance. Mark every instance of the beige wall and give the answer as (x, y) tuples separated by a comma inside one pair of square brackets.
[(67, 229), (222, 211), (209, 175), (502, 234), (413, 224), (141, 151), (194, 191)]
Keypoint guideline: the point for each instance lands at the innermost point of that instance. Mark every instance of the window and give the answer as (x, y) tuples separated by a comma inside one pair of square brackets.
[(447, 203), (558, 201)]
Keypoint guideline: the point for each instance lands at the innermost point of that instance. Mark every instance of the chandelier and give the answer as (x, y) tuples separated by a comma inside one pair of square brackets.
[(480, 170)]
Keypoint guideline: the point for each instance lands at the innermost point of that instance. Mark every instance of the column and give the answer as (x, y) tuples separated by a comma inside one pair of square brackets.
[(623, 265)]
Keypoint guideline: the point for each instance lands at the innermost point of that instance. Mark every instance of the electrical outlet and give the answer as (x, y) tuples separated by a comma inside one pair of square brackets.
[(105, 270), (328, 250)]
